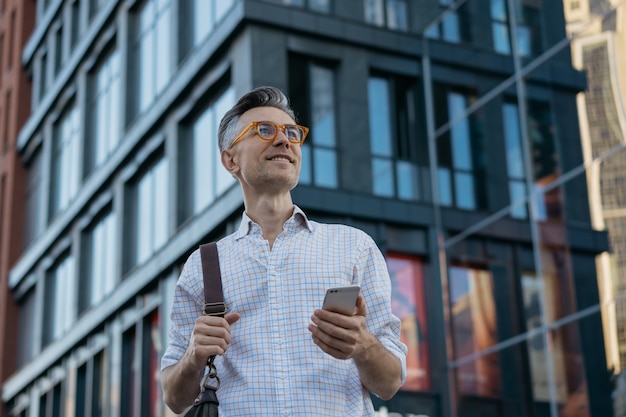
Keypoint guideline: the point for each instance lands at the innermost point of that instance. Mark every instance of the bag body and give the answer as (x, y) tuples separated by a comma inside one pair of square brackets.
[(205, 405)]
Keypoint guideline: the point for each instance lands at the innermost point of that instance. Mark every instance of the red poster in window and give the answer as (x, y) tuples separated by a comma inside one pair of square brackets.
[(474, 330), (407, 302)]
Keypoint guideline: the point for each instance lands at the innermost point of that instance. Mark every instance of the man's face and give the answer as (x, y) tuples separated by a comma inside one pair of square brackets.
[(266, 165)]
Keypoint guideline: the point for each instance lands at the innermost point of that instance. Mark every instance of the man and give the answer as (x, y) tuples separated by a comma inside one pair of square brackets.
[(278, 353)]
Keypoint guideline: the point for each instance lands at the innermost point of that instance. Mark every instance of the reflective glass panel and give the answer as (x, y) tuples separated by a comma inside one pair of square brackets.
[(325, 167), (409, 304)]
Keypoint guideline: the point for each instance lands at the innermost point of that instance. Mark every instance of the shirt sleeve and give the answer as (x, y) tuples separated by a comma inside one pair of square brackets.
[(372, 274), (187, 306)]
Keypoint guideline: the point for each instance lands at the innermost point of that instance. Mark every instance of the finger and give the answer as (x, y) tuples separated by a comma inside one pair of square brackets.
[(330, 345), (211, 331), (232, 317), (333, 335), (361, 308), (201, 350), (211, 321), (328, 320)]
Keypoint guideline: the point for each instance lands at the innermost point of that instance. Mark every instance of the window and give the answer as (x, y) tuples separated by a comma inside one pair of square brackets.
[(98, 384), (98, 277), (103, 111), (551, 296), (8, 121), (151, 404), (207, 13), (514, 160), (2, 46), (314, 100), (59, 296), (500, 27), (75, 23), (322, 6), (12, 29), (322, 147), (152, 51), (26, 345), (81, 390), (391, 14), (393, 137), (131, 366), (95, 6), (408, 303), (545, 159), (90, 386), (58, 50), (460, 153), (474, 329), (65, 178), (35, 219), (527, 14), (452, 26), (43, 76), (151, 212), (141, 393), (50, 403), (203, 177), (3, 200), (534, 295), (4, 145)]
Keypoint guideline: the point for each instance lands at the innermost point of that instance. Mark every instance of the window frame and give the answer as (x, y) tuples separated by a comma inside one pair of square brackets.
[(196, 152), (149, 46), (107, 132), (403, 147), (60, 288), (312, 171), (102, 274), (380, 13), (449, 173), (65, 166)]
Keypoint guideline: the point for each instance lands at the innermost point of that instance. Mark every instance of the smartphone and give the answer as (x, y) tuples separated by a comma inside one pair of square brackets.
[(341, 299)]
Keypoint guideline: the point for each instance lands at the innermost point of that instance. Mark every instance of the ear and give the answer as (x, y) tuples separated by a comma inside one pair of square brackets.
[(228, 160)]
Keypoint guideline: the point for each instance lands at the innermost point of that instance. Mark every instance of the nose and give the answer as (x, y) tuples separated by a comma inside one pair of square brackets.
[(281, 138)]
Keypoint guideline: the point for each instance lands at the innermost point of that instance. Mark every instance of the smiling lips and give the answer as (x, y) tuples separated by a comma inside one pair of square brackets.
[(280, 158)]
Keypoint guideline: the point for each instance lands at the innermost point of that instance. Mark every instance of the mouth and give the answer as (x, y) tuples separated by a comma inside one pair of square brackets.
[(281, 158)]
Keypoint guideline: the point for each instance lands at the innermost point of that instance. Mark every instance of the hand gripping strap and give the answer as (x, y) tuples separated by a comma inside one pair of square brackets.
[(213, 295)]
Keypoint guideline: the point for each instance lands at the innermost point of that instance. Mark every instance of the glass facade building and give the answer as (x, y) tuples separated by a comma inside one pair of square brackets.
[(448, 130)]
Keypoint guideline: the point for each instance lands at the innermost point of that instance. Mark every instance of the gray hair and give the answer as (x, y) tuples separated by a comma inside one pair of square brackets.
[(259, 97)]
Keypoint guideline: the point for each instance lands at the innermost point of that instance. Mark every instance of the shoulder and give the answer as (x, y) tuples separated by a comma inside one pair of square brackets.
[(343, 232)]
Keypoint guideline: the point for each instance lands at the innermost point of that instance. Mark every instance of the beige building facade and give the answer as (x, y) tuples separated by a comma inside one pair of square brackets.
[(598, 32)]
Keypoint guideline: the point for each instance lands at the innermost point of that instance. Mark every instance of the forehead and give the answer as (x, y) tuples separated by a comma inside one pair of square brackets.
[(266, 114)]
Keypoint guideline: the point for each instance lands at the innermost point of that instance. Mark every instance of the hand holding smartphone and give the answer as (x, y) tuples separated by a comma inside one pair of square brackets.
[(341, 299)]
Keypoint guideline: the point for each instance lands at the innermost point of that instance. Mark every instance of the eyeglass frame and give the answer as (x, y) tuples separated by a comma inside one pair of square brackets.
[(255, 125)]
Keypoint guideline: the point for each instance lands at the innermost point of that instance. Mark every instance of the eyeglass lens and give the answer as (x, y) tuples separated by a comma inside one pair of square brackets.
[(269, 131)]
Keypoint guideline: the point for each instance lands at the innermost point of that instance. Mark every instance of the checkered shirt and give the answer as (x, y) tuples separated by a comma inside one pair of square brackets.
[(272, 367)]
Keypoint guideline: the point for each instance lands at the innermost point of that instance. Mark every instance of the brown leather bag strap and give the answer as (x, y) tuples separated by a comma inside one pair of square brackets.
[(213, 295)]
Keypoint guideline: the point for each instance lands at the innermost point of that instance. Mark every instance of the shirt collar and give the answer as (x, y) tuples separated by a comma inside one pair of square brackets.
[(297, 220)]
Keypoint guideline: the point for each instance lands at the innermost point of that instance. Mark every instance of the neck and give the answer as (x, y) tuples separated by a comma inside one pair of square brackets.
[(270, 213)]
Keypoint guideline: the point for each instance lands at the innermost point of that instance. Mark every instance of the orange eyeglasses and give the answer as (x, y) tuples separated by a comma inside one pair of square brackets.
[(268, 131)]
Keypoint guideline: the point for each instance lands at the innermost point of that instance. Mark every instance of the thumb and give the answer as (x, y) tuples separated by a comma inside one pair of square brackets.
[(232, 317), (361, 309)]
